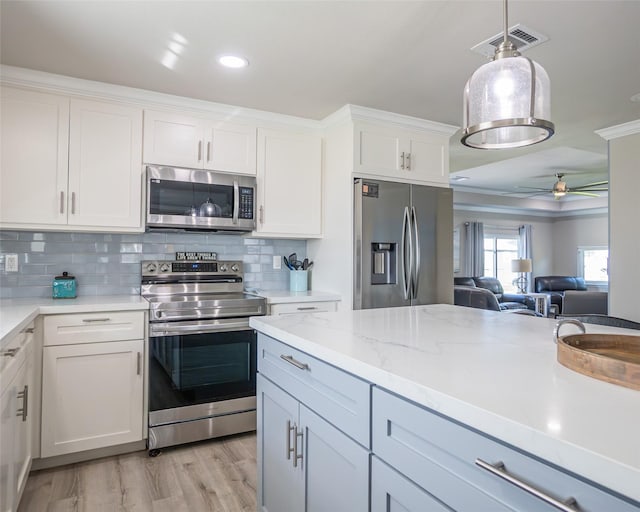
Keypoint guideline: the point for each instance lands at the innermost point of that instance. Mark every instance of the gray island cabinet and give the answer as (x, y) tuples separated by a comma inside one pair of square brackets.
[(334, 436)]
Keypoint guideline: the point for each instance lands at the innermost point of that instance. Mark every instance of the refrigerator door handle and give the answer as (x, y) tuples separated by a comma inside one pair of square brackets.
[(416, 264), (406, 278)]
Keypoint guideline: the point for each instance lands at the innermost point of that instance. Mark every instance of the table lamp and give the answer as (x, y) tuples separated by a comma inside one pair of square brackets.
[(521, 266)]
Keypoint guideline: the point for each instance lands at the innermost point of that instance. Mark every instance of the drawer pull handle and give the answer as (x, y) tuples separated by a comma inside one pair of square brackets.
[(498, 469), (308, 308), (297, 364), (29, 330), (10, 352), (90, 320)]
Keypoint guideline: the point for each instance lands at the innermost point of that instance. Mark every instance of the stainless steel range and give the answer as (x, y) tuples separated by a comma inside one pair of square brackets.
[(202, 352)]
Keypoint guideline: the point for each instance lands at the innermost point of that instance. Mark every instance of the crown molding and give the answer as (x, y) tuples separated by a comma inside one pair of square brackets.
[(358, 113), (620, 130), (61, 84)]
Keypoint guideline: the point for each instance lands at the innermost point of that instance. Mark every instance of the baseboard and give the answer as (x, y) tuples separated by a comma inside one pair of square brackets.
[(98, 453)]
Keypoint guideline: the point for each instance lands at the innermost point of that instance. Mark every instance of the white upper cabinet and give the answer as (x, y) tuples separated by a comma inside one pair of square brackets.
[(392, 152), (289, 183), (35, 148), (105, 164), (183, 141), (69, 163)]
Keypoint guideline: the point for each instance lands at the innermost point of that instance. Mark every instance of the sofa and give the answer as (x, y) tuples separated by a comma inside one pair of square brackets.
[(505, 300), (481, 298), (555, 286)]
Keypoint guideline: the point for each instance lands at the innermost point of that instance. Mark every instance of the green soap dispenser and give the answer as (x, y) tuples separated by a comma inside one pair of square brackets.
[(64, 286)]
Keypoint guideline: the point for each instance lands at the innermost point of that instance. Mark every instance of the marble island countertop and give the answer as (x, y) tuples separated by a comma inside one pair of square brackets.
[(493, 371)]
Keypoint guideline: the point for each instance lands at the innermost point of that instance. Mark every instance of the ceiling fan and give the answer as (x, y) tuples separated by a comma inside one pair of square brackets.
[(561, 189)]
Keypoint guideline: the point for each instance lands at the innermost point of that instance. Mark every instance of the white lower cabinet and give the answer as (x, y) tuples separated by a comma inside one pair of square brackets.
[(15, 419), (306, 463), (92, 381)]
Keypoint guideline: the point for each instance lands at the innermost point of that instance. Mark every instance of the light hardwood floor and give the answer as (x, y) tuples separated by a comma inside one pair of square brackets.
[(216, 475)]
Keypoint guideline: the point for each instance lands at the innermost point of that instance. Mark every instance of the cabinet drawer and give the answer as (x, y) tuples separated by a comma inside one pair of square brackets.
[(90, 327), (341, 398), (392, 492), (440, 455), (295, 308)]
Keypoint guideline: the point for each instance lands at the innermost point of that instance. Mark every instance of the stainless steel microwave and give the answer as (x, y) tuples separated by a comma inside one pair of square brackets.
[(191, 199)]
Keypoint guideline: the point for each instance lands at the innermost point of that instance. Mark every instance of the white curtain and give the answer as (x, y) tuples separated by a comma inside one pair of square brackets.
[(524, 250), (473, 249)]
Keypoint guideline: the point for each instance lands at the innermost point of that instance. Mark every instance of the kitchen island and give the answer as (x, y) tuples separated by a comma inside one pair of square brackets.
[(488, 374)]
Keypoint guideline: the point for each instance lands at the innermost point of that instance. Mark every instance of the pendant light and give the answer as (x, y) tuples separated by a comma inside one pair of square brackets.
[(507, 102)]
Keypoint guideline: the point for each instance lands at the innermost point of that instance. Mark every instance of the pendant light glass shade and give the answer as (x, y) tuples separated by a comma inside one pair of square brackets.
[(507, 102)]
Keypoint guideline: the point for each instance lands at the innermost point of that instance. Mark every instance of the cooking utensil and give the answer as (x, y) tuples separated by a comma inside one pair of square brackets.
[(288, 263), (305, 264)]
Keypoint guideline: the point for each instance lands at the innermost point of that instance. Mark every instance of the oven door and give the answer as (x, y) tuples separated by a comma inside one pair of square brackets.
[(199, 374), (199, 200)]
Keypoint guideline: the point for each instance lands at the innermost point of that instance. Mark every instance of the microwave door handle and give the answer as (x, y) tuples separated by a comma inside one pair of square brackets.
[(236, 201)]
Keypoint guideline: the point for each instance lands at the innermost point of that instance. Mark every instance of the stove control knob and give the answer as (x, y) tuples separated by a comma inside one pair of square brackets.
[(234, 268), (151, 267), (223, 268), (165, 267)]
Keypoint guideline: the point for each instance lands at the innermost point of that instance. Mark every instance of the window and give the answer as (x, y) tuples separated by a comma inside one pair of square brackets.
[(593, 264), (499, 250)]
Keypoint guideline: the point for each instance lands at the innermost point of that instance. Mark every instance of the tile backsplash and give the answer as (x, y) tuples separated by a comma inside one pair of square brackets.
[(109, 264)]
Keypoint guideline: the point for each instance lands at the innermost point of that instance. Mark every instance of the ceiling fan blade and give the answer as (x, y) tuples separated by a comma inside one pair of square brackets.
[(534, 188), (583, 193), (580, 189), (596, 184)]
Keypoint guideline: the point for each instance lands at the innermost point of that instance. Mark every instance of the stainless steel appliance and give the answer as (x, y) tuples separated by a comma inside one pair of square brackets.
[(202, 352), (403, 237), (189, 199)]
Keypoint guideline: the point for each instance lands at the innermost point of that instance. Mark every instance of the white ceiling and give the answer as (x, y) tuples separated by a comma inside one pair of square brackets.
[(309, 58)]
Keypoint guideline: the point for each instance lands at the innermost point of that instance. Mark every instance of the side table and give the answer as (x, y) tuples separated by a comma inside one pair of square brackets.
[(542, 303)]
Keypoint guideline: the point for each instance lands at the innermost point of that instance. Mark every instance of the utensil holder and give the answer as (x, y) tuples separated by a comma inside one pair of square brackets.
[(298, 280)]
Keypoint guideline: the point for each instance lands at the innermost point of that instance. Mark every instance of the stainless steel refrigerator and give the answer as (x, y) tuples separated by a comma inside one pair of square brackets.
[(403, 236)]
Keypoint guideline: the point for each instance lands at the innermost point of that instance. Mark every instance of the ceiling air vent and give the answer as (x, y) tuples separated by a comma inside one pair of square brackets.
[(522, 37)]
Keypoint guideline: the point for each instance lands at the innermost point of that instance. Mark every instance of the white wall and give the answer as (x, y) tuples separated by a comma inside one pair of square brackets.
[(569, 233), (624, 225), (542, 234)]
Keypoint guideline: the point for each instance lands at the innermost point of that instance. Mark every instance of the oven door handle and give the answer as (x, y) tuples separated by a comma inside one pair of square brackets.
[(198, 327)]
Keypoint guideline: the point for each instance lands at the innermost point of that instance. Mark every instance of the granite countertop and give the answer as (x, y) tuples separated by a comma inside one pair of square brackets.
[(16, 314), (286, 297), (495, 372)]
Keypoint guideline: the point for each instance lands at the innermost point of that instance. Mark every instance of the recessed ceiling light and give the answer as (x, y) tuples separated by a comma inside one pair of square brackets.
[(636, 98), (459, 178), (233, 61)]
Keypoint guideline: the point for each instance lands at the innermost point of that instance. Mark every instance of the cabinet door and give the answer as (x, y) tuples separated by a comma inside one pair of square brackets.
[(173, 139), (231, 148), (91, 396), (336, 467), (289, 184), (379, 150), (428, 158), (392, 492), (23, 417), (105, 165), (34, 163), (280, 484), (7, 434)]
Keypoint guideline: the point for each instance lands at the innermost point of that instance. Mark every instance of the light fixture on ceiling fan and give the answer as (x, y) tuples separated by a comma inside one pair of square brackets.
[(561, 189), (507, 102)]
